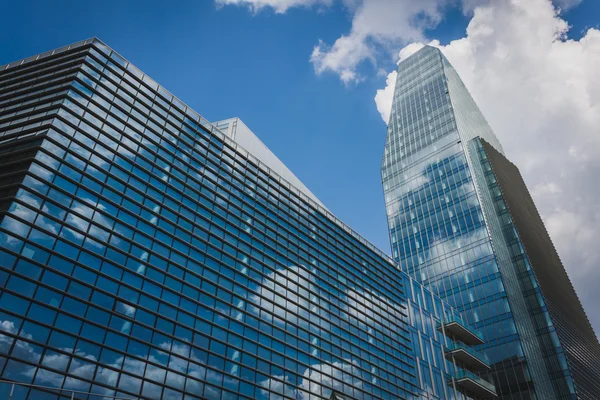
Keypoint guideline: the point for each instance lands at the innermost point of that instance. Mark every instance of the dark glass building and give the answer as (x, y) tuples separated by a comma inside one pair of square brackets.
[(463, 224), (549, 292), (146, 254)]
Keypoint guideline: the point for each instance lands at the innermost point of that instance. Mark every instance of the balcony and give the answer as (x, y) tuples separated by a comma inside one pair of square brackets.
[(469, 383), (456, 328), (467, 356)]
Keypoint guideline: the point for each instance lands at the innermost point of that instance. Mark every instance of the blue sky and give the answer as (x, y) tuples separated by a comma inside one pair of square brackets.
[(228, 61)]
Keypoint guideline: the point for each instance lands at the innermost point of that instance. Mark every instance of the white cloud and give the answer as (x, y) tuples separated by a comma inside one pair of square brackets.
[(566, 4), (545, 189), (376, 24), (409, 50), (540, 92), (383, 98), (279, 6)]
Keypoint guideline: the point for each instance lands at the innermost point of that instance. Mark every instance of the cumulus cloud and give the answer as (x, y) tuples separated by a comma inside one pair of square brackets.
[(383, 98), (540, 92), (376, 24)]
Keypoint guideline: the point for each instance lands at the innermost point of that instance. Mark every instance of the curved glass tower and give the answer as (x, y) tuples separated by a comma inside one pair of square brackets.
[(462, 222)]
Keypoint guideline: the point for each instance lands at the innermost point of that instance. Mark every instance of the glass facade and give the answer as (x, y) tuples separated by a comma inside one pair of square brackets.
[(451, 232), (144, 254)]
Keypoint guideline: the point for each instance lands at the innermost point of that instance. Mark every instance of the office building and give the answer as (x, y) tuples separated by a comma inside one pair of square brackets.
[(463, 224), (145, 253)]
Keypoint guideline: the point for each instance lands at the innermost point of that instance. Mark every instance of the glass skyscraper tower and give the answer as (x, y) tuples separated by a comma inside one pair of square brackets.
[(147, 253), (462, 223)]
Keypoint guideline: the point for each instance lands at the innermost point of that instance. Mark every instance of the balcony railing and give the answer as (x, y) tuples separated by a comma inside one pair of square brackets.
[(11, 387), (471, 383), (467, 356), (456, 328)]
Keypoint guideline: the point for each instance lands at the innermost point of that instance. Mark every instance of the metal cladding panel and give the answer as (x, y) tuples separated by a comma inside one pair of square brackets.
[(235, 129), (572, 325)]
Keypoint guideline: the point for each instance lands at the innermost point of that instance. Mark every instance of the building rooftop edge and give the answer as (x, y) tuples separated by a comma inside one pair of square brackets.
[(264, 153)]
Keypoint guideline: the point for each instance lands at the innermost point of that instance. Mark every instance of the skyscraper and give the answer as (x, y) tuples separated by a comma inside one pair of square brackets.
[(462, 223), (146, 254)]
